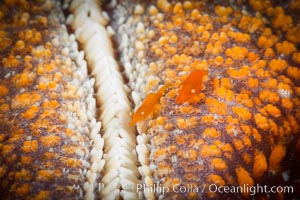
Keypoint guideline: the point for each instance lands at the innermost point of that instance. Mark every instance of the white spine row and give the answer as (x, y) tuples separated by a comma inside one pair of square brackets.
[(86, 113), (135, 64), (120, 175)]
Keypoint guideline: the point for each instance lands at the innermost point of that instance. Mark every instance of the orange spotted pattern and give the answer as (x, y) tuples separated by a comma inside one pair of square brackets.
[(246, 116), (42, 150)]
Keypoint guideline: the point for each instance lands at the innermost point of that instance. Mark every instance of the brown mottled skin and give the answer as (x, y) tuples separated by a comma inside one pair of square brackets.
[(245, 122), (242, 127)]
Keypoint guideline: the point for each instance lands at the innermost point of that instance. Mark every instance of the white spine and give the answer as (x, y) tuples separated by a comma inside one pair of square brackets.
[(120, 174)]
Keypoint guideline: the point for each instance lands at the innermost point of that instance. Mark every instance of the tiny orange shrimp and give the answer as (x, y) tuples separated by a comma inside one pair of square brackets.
[(191, 86), (147, 106)]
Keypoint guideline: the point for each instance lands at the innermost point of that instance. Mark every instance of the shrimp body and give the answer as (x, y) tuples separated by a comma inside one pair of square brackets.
[(191, 86), (147, 106)]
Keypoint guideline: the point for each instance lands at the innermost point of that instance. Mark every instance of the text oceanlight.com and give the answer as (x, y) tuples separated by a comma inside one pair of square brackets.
[(252, 190)]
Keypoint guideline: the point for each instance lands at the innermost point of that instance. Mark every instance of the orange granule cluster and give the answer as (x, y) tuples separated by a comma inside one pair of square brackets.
[(252, 57), (30, 146), (269, 53), (293, 72), (285, 47), (272, 110), (23, 190), (210, 151), (260, 165), (258, 5), (216, 179), (239, 73), (224, 93), (280, 19), (208, 119), (215, 106), (252, 82), (243, 113), (269, 96), (211, 133), (250, 24), (271, 83), (223, 12), (25, 100), (238, 144), (244, 178), (261, 122), (3, 90), (219, 60), (277, 154), (239, 37), (292, 34), (187, 123), (237, 52), (11, 61), (50, 140), (31, 112), (219, 164), (244, 99), (265, 42), (247, 159), (296, 57)]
